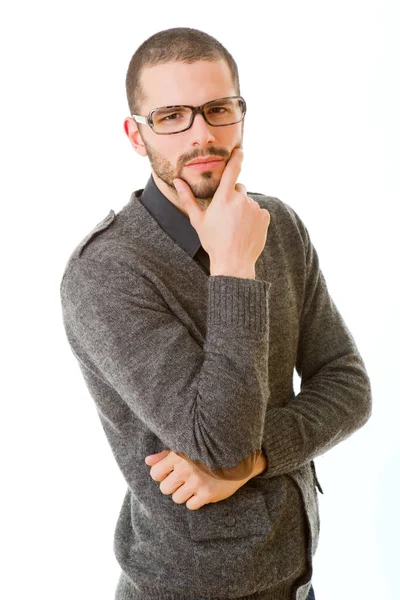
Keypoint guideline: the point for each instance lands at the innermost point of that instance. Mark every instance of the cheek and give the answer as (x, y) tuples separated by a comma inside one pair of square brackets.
[(230, 140), (169, 152)]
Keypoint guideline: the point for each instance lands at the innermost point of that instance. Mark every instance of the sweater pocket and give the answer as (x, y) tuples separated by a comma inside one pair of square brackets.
[(231, 542), (240, 515)]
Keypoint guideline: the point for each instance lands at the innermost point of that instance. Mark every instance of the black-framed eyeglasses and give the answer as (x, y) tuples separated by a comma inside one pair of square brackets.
[(167, 120)]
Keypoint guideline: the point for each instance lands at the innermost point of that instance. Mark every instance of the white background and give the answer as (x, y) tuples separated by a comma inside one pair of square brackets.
[(322, 86)]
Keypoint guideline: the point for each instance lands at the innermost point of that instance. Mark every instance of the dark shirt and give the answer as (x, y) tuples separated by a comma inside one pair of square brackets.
[(175, 223)]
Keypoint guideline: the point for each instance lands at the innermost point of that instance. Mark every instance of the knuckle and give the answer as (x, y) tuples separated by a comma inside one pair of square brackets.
[(206, 490), (195, 480)]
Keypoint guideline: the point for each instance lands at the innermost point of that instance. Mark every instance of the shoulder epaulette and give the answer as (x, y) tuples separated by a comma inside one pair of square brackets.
[(106, 222)]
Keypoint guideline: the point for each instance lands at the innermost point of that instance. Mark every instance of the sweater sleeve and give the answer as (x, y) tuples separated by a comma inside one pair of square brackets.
[(335, 394), (205, 402)]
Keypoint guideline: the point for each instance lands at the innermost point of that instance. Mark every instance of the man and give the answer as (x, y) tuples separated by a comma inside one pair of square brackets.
[(188, 311)]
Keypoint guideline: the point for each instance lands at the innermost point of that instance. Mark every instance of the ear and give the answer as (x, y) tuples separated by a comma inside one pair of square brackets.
[(133, 133)]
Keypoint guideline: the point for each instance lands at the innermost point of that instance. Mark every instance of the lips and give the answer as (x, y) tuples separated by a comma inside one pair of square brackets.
[(203, 161), (205, 166)]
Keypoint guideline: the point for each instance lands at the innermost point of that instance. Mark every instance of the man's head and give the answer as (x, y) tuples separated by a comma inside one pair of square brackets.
[(182, 66)]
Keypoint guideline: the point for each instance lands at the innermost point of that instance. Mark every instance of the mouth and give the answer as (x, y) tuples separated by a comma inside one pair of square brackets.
[(203, 166)]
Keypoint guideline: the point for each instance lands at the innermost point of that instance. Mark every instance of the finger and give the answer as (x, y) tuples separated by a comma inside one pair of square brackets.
[(239, 187), (188, 200), (182, 494), (231, 173), (195, 502), (152, 459), (163, 468), (173, 484), (160, 471)]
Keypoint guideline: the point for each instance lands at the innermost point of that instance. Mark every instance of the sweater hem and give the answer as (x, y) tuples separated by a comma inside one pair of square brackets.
[(127, 590)]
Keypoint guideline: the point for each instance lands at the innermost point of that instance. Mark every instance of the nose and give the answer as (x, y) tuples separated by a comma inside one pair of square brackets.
[(200, 130)]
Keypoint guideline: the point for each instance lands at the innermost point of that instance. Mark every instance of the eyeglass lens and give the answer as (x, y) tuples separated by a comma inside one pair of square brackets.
[(177, 118)]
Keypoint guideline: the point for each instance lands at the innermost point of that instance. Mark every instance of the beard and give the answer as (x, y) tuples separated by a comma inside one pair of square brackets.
[(204, 183)]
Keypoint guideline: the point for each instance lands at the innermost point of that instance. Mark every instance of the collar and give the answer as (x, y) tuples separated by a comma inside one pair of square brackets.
[(170, 218)]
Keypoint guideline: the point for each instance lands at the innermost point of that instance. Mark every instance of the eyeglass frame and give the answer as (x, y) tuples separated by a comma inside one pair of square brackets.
[(195, 110)]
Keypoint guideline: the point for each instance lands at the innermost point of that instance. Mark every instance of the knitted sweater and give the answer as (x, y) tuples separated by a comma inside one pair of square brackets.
[(203, 365)]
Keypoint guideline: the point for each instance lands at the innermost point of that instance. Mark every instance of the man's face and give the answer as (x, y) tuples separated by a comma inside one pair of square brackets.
[(193, 84)]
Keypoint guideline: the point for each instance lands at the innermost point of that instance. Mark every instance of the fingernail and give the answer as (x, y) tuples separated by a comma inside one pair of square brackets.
[(178, 186)]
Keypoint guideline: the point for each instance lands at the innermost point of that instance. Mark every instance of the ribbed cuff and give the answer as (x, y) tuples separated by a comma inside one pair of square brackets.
[(238, 303), (283, 449)]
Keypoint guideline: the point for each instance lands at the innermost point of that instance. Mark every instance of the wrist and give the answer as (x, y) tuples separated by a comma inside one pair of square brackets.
[(244, 272), (261, 465)]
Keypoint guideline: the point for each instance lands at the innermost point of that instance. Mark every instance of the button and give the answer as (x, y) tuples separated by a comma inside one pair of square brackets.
[(230, 521)]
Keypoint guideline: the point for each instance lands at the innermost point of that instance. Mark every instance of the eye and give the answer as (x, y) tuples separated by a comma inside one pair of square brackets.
[(169, 117), (218, 108)]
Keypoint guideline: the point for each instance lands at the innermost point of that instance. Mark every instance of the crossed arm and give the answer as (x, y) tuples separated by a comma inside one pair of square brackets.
[(335, 400), (207, 398)]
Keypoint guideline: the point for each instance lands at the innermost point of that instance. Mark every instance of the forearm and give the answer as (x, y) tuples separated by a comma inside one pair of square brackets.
[(335, 397), (331, 406), (253, 465), (203, 398)]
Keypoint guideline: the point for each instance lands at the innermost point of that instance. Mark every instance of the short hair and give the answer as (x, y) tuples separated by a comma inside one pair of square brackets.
[(178, 44)]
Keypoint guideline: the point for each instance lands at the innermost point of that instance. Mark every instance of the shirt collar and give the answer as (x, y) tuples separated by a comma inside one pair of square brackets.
[(170, 218)]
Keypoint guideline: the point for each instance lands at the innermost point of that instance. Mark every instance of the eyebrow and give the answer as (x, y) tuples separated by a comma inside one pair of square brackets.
[(167, 108)]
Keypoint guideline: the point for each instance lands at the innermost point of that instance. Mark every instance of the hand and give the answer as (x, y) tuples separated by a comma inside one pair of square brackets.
[(187, 483), (233, 229)]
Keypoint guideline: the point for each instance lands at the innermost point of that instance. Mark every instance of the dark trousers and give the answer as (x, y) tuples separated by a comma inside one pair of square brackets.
[(311, 595)]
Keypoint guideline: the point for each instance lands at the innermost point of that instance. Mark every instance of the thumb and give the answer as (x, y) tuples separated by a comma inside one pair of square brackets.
[(188, 200)]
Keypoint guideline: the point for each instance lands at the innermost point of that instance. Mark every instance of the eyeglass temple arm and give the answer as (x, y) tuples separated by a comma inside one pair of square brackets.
[(141, 119)]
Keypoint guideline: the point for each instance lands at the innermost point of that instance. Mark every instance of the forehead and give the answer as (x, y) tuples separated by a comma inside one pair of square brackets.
[(182, 83)]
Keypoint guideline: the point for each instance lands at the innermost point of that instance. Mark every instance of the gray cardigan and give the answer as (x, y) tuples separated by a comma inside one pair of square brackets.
[(203, 365)]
